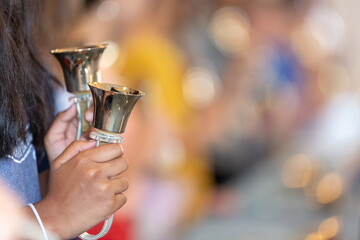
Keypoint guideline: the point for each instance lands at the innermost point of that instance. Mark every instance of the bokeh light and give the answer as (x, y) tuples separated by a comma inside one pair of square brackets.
[(110, 55), (199, 87), (315, 236), (327, 26), (329, 188), (229, 29), (108, 10), (298, 171), (172, 153), (322, 33), (330, 227)]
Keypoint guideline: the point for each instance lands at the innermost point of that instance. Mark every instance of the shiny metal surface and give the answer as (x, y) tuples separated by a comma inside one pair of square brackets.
[(112, 106), (80, 66), (103, 232), (82, 105)]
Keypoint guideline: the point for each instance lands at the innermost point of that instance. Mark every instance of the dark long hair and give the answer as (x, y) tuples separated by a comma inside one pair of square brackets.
[(25, 84)]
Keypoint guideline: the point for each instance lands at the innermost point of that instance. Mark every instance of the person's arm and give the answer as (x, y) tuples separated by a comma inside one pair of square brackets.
[(85, 187)]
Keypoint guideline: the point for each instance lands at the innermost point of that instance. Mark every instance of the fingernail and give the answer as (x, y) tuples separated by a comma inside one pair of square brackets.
[(122, 149)]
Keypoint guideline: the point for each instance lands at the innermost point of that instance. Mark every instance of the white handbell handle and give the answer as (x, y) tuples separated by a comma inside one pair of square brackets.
[(103, 232), (79, 101)]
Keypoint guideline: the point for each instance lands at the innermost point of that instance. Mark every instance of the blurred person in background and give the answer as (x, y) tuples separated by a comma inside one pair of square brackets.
[(265, 81), (67, 196)]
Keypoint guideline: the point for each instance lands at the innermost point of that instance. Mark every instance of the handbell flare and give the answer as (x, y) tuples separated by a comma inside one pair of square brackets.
[(80, 66), (112, 106)]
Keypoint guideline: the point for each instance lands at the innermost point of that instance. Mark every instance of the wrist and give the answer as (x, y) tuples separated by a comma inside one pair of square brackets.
[(38, 218), (51, 217)]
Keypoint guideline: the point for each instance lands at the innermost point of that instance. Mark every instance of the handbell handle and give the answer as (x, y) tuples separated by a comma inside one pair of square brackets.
[(103, 232), (82, 103)]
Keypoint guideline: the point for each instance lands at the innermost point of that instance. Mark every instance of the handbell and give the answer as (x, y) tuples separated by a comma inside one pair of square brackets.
[(112, 108), (80, 66)]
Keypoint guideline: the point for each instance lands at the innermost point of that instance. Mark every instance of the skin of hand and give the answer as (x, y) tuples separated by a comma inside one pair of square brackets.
[(63, 131), (85, 188)]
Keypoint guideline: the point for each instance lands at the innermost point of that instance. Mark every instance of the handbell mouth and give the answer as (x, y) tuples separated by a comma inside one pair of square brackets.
[(79, 49), (126, 90), (114, 88)]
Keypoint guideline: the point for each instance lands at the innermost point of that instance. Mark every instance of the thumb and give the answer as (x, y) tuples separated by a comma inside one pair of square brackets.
[(62, 120), (67, 115), (72, 150), (89, 114)]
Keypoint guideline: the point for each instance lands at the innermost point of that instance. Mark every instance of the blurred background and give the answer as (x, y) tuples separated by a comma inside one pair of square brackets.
[(250, 128)]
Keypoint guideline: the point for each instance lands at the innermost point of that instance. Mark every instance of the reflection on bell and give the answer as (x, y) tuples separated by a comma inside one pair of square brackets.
[(112, 106), (80, 66)]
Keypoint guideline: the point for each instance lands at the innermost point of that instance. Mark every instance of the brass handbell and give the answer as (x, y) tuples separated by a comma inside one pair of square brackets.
[(80, 66), (112, 107)]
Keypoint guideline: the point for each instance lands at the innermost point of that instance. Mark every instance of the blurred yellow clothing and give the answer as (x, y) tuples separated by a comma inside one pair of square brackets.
[(155, 64)]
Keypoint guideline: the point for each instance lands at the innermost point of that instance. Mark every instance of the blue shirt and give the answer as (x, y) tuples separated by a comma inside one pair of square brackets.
[(19, 170)]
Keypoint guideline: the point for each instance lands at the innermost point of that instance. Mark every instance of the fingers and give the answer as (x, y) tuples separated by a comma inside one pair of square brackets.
[(86, 135), (105, 152), (115, 167), (71, 131), (73, 149), (62, 121), (120, 200), (89, 114), (67, 115), (119, 185), (114, 190), (74, 123)]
